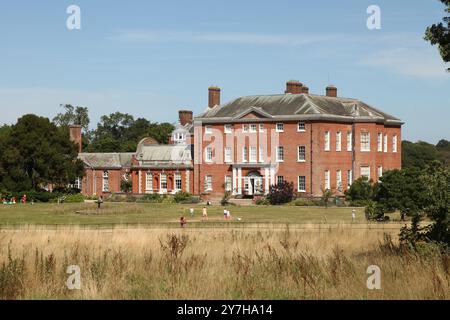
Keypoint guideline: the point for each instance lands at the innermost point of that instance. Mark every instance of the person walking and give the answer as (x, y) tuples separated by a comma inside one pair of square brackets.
[(191, 212), (204, 214), (183, 222)]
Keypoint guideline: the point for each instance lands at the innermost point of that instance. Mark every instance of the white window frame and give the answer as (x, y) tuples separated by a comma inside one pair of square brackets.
[(208, 183), (394, 143), (105, 181), (163, 179), (301, 187), (339, 184), (253, 154), (365, 141), (380, 172), (177, 178), (279, 127), (338, 141), (245, 128), (327, 141), (385, 143), (280, 180), (364, 168), (349, 141), (301, 127), (261, 154), (227, 128), (300, 159), (261, 127), (209, 154), (78, 183), (208, 130), (253, 128), (244, 154), (349, 178), (380, 142), (327, 182), (228, 183), (228, 154), (280, 159), (148, 182)]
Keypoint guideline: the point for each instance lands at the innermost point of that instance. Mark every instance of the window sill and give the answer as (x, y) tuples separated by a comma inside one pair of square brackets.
[(301, 161), (280, 161), (301, 131)]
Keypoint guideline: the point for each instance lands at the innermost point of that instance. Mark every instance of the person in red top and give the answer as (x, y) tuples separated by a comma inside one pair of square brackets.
[(183, 221), (24, 199)]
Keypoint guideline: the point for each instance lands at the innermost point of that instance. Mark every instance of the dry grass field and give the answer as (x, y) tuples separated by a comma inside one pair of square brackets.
[(217, 263)]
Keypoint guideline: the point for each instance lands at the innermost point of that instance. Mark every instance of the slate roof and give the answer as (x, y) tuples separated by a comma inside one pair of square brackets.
[(297, 106), (106, 160), (164, 156)]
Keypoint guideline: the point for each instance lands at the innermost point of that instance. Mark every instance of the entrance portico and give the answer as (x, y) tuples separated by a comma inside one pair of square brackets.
[(252, 179)]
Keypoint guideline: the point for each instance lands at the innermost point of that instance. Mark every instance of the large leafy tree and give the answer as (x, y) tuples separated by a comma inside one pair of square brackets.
[(35, 152), (120, 132), (439, 34), (400, 190), (73, 116), (418, 155)]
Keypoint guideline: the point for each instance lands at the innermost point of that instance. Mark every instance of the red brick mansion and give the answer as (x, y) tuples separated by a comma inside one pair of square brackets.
[(244, 146)]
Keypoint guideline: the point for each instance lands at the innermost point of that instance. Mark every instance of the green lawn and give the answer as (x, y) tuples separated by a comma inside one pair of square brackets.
[(168, 214)]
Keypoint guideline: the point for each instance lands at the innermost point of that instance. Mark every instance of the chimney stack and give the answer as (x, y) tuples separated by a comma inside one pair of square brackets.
[(305, 89), (185, 117), (331, 91), (214, 96), (294, 87), (75, 136)]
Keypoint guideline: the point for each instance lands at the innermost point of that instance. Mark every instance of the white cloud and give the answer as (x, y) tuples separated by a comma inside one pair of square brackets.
[(414, 62)]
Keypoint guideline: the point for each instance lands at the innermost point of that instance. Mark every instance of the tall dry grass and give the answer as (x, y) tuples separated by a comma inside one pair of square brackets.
[(216, 264)]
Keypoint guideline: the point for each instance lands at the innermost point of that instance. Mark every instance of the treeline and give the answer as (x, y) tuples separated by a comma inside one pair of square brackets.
[(36, 153), (117, 132), (421, 154)]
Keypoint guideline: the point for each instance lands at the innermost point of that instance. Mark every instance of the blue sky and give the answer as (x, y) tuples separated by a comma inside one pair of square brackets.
[(152, 58)]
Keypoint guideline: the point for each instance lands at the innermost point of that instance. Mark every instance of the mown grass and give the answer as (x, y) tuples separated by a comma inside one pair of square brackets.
[(223, 263), (118, 213)]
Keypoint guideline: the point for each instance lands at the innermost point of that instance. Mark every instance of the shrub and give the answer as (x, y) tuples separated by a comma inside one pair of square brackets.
[(74, 198), (126, 186), (361, 189), (182, 196), (281, 193), (226, 198), (262, 201), (152, 197), (305, 203)]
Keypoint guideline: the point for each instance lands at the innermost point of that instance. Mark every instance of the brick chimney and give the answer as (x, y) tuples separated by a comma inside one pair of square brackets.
[(185, 117), (331, 91), (294, 87), (305, 89), (213, 96), (75, 136)]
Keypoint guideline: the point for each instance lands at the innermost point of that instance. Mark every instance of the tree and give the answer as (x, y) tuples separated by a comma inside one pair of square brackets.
[(400, 190), (418, 155), (120, 132), (73, 116), (361, 191), (35, 153), (439, 34), (281, 193)]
